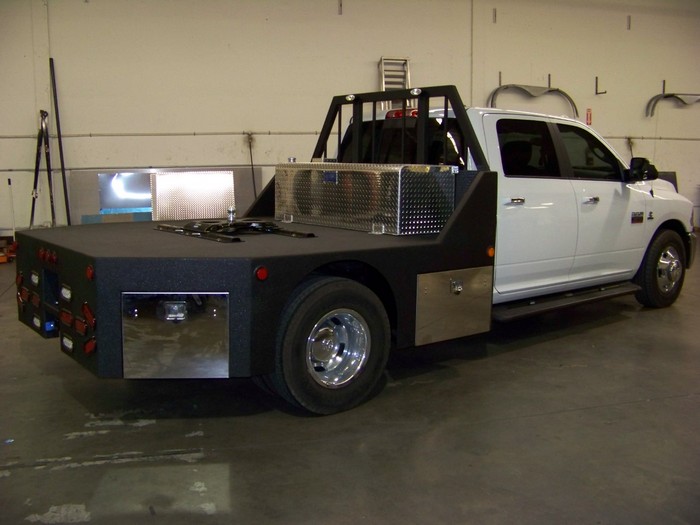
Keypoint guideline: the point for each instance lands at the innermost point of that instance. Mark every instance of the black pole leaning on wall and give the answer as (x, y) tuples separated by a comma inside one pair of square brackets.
[(60, 140)]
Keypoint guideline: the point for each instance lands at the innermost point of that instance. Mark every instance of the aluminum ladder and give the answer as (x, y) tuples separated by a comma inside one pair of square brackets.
[(394, 73)]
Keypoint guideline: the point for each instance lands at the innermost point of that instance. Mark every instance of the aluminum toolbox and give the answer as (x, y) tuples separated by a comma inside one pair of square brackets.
[(396, 199), (193, 194)]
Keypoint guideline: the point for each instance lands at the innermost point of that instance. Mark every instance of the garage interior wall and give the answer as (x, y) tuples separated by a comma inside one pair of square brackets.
[(176, 83)]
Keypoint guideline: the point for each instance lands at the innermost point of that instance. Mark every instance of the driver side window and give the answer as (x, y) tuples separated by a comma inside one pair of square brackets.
[(589, 158)]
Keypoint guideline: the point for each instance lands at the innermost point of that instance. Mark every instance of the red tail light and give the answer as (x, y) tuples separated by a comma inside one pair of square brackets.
[(66, 317), (90, 346), (80, 326), (89, 316), (47, 256)]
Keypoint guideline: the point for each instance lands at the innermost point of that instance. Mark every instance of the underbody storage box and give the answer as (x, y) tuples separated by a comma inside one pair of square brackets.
[(397, 199)]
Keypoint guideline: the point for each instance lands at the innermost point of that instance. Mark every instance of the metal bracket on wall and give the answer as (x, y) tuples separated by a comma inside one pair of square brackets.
[(685, 98), (533, 91), (598, 91)]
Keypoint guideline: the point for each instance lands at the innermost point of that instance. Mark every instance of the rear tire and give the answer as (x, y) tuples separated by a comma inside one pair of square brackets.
[(332, 346), (662, 272)]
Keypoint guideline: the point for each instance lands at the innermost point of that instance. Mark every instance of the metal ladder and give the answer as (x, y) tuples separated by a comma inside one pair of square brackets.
[(394, 73)]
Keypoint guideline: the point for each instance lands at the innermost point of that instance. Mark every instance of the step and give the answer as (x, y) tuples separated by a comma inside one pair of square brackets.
[(519, 309)]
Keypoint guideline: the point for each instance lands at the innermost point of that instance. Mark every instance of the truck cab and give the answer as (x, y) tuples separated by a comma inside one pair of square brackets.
[(571, 213)]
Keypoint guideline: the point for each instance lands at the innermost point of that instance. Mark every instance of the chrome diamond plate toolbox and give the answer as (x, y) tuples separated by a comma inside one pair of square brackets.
[(191, 194), (397, 199)]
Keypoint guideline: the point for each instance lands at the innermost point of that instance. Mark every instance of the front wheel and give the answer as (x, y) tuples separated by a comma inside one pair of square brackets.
[(332, 346), (662, 272)]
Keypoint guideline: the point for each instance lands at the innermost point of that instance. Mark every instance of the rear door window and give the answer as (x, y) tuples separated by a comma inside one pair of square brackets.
[(527, 149)]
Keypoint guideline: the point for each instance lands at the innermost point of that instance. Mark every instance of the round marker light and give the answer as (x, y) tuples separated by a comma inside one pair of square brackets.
[(261, 273), (491, 251)]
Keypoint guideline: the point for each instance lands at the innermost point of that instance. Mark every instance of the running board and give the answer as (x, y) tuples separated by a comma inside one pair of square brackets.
[(519, 309)]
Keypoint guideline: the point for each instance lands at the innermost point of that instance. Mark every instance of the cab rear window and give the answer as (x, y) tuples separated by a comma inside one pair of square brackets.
[(394, 141)]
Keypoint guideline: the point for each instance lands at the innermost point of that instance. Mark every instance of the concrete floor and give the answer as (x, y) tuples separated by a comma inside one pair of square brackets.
[(589, 416)]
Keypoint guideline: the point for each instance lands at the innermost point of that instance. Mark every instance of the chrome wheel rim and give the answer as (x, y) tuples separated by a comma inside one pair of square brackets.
[(337, 348), (669, 270)]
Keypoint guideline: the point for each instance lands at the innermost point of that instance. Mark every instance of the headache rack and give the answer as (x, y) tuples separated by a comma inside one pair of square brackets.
[(400, 171), (412, 108)]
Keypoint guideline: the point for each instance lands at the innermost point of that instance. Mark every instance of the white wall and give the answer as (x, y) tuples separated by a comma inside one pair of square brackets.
[(176, 83), (631, 46)]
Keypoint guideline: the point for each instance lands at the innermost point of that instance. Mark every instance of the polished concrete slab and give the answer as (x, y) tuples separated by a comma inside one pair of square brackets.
[(585, 416)]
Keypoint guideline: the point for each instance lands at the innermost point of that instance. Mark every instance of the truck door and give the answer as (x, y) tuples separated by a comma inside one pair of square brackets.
[(537, 216), (612, 213)]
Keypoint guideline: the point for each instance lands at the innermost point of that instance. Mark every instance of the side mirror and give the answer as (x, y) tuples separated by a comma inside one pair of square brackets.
[(641, 169)]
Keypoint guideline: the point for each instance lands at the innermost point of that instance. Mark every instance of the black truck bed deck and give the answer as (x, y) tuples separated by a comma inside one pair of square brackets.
[(142, 239)]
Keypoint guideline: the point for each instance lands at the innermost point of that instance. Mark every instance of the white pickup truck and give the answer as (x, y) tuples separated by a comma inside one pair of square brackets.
[(571, 213), (418, 220)]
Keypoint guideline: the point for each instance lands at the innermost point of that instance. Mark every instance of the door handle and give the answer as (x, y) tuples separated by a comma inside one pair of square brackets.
[(517, 200), (592, 200)]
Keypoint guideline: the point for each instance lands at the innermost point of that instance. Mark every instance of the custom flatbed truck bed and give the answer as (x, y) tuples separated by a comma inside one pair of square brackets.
[(387, 239)]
